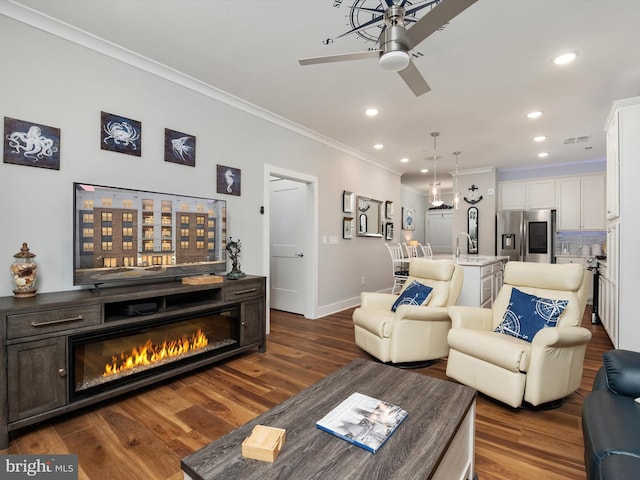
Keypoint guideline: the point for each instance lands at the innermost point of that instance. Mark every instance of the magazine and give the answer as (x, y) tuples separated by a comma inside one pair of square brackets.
[(364, 421)]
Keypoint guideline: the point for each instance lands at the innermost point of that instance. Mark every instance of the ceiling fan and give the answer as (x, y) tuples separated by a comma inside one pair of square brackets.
[(395, 40)]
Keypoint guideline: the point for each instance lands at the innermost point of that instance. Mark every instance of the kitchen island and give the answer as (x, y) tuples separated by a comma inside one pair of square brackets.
[(482, 278)]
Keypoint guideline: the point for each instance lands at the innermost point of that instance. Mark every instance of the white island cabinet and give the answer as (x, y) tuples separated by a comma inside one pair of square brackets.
[(483, 277)]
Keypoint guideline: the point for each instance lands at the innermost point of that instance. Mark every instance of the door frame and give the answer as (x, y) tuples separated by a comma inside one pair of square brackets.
[(310, 247)]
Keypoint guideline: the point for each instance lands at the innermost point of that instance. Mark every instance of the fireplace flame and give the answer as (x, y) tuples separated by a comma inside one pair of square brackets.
[(148, 353)]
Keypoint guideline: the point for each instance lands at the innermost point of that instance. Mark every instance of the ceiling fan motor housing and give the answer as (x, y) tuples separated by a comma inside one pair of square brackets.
[(394, 54)]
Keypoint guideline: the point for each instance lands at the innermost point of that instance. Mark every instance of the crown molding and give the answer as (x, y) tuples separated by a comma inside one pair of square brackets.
[(40, 21)]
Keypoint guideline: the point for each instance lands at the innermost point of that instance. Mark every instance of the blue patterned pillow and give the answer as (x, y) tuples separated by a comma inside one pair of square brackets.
[(527, 314), (415, 294)]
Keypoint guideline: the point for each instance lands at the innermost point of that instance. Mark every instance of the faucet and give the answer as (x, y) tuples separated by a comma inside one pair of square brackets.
[(458, 242)]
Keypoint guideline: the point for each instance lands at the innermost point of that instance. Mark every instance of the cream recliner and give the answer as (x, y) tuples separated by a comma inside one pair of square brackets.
[(412, 333), (512, 370)]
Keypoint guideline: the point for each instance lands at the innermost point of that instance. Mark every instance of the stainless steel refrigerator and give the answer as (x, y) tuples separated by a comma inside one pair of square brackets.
[(526, 235)]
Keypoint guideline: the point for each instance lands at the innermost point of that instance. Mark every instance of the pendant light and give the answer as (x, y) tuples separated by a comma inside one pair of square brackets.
[(456, 192), (435, 199)]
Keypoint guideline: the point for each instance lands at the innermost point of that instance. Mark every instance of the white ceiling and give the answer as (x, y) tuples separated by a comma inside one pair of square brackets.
[(489, 67)]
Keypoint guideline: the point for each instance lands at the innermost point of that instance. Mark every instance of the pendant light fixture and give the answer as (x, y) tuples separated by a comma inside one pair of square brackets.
[(435, 199), (456, 192)]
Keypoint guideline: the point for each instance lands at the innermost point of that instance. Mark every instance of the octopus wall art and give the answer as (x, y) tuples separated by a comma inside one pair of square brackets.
[(179, 148), (27, 143), (120, 134)]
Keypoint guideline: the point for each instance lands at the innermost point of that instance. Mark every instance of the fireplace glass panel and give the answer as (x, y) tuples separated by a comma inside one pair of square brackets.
[(102, 360)]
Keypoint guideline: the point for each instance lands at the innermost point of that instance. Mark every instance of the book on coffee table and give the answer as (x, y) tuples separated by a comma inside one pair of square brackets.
[(363, 420)]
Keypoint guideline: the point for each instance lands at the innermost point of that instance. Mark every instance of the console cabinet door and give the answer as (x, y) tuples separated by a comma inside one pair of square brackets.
[(37, 377), (252, 324)]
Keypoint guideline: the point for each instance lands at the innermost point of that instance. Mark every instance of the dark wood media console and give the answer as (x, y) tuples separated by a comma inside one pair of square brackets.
[(38, 336)]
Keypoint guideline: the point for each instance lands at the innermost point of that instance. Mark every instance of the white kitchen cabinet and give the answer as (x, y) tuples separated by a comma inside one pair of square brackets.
[(623, 230), (613, 168), (481, 284), (581, 202), (513, 195), (527, 194), (541, 193)]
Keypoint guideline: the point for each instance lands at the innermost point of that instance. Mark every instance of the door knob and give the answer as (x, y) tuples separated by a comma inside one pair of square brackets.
[(299, 255)]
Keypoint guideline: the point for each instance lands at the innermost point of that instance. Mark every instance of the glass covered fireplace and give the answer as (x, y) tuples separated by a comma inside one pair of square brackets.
[(125, 354)]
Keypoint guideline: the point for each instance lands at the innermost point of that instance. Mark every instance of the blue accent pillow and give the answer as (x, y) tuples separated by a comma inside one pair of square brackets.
[(527, 314), (415, 294)]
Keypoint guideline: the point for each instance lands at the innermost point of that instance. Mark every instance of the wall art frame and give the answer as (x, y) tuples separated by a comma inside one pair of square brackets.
[(31, 144), (347, 201), (408, 218), (228, 180), (179, 148), (388, 209), (120, 134), (347, 228), (388, 231)]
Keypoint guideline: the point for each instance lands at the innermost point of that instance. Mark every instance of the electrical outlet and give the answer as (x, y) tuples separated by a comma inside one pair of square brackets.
[(363, 281)]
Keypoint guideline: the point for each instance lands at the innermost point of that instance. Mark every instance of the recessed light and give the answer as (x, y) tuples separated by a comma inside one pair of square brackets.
[(424, 170), (540, 138), (371, 112), (535, 114), (404, 160), (565, 58), (543, 154), (378, 146)]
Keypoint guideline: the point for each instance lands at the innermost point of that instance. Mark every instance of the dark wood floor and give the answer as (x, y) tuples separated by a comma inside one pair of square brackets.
[(144, 435)]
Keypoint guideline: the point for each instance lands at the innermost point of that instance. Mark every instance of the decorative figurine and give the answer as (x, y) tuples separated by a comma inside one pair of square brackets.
[(24, 272), (234, 252)]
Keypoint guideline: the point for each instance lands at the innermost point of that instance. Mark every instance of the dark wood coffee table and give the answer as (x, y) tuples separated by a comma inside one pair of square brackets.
[(435, 441)]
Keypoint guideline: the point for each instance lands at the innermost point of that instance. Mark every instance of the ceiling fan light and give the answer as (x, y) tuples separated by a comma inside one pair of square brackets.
[(394, 61)]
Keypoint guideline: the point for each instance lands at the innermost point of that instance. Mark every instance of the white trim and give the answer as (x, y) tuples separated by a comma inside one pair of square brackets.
[(73, 34), (311, 240)]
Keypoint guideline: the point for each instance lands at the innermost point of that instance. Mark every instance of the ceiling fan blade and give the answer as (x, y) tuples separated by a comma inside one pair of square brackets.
[(414, 80), (441, 14), (343, 57)]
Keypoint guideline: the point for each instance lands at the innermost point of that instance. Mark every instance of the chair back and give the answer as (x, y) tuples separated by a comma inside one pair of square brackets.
[(412, 250), (547, 280), (397, 255), (444, 276), (426, 250)]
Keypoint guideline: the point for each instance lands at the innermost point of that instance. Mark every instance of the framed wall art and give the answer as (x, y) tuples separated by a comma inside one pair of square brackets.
[(408, 220), (347, 228), (388, 231), (120, 134), (228, 180), (179, 148), (388, 209), (31, 144), (347, 202)]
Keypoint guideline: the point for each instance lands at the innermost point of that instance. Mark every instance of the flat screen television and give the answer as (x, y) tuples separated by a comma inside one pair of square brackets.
[(124, 235)]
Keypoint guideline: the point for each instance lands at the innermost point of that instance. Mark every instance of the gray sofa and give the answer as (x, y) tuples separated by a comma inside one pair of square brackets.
[(611, 419)]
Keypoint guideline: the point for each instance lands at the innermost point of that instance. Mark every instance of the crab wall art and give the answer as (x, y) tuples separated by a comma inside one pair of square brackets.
[(120, 134), (28, 143), (179, 148)]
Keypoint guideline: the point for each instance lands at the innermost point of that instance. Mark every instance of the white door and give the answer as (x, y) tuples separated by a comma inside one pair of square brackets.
[(440, 232), (287, 240)]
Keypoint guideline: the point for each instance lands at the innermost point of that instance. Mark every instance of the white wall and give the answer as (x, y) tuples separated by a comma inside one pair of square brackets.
[(46, 79)]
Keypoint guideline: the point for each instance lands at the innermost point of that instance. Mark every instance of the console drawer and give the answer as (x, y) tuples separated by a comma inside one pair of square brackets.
[(28, 324), (243, 290)]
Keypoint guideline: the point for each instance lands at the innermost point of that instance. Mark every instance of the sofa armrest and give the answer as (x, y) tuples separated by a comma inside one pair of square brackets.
[(470, 317), (622, 369), (421, 313), (560, 337), (377, 300)]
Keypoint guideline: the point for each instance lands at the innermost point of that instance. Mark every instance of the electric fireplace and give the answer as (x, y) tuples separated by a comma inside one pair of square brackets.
[(114, 357)]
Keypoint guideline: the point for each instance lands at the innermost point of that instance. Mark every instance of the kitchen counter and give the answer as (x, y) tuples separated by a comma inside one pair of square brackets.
[(472, 260)]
